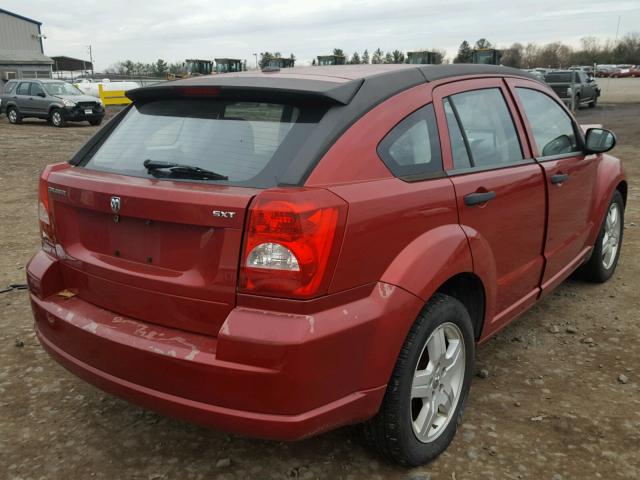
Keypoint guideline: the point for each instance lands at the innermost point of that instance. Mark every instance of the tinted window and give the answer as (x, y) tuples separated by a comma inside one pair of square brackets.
[(23, 88), (561, 77), (36, 88), (413, 147), (9, 87), (552, 127), (458, 147), (487, 124), (250, 142)]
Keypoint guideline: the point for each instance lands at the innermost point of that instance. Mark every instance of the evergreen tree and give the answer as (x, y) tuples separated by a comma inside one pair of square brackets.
[(388, 58), (365, 57), (355, 58), (398, 56), (465, 54), (377, 56)]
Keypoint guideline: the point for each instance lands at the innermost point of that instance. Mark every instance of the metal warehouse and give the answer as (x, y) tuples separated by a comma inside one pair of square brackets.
[(21, 50)]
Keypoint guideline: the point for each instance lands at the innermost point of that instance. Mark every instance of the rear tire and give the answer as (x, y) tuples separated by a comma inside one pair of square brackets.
[(57, 118), (600, 267), (433, 372), (95, 123), (14, 115)]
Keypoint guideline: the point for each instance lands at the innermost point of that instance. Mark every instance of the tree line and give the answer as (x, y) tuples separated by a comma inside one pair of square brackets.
[(592, 50), (556, 54)]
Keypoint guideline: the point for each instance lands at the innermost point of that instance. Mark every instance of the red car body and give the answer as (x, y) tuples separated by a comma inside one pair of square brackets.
[(156, 306)]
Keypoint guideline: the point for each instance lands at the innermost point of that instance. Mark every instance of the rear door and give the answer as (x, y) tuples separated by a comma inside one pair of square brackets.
[(570, 176), (499, 188), (21, 96)]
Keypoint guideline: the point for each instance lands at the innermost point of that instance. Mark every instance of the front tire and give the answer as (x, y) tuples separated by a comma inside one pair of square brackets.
[(57, 118), (14, 115), (594, 102), (95, 122), (606, 252), (428, 388)]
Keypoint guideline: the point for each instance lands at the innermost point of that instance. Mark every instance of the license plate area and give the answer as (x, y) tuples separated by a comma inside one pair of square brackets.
[(88, 111)]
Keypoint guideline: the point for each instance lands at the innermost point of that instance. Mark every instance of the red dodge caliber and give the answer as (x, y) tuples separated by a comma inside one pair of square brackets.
[(281, 253)]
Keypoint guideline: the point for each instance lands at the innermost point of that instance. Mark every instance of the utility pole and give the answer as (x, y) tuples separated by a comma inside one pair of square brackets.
[(91, 59), (256, 55)]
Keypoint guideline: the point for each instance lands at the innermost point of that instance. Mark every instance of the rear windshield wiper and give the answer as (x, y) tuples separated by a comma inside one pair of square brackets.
[(178, 170)]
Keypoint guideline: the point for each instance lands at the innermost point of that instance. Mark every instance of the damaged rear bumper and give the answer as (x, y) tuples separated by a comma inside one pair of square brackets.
[(268, 374)]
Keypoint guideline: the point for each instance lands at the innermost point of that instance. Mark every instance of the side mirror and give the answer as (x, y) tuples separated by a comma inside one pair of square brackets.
[(599, 140), (42, 94)]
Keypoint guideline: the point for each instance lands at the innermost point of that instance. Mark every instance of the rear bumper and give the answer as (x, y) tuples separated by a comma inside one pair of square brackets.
[(267, 374)]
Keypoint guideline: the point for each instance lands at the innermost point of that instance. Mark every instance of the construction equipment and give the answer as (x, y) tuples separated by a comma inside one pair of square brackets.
[(422, 57), (331, 60), (487, 56), (227, 65), (193, 68)]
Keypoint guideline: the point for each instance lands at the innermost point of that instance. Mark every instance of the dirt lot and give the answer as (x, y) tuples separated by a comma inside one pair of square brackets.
[(619, 90), (552, 406)]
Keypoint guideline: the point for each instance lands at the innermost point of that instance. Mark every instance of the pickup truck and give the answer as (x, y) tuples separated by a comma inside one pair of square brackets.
[(574, 87)]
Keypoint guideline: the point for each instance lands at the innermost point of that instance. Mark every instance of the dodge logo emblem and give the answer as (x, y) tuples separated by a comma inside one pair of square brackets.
[(115, 204)]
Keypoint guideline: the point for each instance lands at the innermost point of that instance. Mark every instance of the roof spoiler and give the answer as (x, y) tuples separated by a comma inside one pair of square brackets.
[(264, 87)]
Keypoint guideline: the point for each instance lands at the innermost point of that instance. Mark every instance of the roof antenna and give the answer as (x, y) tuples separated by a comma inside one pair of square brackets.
[(604, 107)]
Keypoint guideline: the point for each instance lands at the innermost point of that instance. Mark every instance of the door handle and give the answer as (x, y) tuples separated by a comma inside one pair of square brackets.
[(478, 198), (559, 178)]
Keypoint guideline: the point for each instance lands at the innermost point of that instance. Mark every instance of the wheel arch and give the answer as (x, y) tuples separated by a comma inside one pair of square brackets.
[(468, 289)]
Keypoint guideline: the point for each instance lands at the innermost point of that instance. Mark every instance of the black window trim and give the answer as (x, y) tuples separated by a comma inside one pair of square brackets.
[(577, 131), (473, 169), (418, 176)]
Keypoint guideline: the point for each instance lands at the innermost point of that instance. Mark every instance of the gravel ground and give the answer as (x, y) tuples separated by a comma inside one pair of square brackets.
[(619, 90), (561, 397)]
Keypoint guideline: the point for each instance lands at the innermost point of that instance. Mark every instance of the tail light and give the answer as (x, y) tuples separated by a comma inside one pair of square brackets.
[(291, 242), (45, 217)]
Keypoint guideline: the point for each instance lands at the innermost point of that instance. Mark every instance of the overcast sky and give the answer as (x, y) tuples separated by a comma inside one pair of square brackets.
[(179, 29)]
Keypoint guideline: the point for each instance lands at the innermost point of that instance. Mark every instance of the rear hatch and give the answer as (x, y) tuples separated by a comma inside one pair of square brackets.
[(163, 245)]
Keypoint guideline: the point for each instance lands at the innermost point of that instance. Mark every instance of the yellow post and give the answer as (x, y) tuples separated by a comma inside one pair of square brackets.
[(113, 97)]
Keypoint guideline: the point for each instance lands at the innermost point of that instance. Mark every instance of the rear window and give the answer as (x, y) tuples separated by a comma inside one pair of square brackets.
[(252, 143), (560, 77)]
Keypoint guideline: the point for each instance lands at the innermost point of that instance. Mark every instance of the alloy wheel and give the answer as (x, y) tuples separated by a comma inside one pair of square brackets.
[(13, 116), (437, 382), (611, 238)]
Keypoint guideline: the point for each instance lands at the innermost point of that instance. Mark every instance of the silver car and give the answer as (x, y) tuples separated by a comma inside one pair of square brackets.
[(53, 100)]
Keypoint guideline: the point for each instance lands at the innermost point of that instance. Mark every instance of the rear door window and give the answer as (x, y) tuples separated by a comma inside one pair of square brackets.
[(553, 130), (250, 142), (412, 148), (23, 88), (487, 128)]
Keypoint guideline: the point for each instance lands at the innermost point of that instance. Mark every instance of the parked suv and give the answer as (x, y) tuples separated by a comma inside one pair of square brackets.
[(279, 254), (52, 100)]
